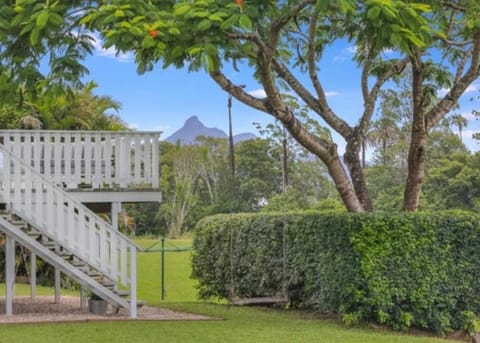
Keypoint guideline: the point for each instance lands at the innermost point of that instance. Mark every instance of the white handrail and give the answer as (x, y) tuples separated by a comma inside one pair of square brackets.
[(99, 159), (56, 213)]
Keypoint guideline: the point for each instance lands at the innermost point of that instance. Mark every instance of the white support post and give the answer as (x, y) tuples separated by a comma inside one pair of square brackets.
[(133, 282), (83, 297), (9, 275), (116, 208), (33, 275), (57, 286)]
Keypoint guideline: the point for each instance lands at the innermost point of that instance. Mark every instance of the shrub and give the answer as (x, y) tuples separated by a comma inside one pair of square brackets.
[(402, 270)]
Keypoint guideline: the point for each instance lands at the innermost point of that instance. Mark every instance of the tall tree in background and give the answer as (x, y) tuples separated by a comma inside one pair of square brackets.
[(460, 122), (179, 183), (282, 41)]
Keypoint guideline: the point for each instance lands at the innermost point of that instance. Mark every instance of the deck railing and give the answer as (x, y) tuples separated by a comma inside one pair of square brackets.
[(96, 159), (53, 211)]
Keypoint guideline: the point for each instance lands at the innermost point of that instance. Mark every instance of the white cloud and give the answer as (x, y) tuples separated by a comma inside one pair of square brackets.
[(468, 133), (331, 93), (162, 128), (133, 126), (443, 91), (468, 115), (351, 49), (470, 89), (388, 51), (345, 53), (258, 93), (110, 52)]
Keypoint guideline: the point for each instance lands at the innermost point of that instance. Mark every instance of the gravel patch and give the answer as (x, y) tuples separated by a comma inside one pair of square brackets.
[(44, 309)]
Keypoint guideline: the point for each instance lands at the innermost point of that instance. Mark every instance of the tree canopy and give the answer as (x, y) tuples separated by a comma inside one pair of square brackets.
[(281, 43)]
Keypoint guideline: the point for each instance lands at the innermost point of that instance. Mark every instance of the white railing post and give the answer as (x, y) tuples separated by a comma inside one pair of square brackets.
[(133, 282)]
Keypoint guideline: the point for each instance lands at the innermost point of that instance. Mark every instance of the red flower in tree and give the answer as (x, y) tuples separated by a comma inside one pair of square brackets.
[(153, 33), (239, 2)]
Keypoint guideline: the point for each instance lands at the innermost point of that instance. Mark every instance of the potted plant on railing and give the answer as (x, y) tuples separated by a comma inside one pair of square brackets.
[(97, 305)]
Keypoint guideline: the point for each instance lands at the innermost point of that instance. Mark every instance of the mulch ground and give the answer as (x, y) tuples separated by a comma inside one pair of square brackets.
[(44, 309)]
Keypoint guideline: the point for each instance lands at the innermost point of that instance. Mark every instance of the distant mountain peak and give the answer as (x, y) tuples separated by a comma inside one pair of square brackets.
[(193, 120), (193, 128)]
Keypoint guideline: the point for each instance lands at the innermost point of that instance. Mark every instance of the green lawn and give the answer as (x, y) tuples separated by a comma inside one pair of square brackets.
[(236, 324)]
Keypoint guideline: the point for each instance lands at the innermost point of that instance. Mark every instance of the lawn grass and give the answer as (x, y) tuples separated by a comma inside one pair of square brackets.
[(236, 324)]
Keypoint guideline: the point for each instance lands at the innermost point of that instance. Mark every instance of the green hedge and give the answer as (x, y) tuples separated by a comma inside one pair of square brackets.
[(402, 270)]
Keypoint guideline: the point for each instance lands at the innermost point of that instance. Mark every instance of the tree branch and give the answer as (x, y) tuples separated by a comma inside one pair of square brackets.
[(450, 99), (326, 113), (238, 92), (370, 99)]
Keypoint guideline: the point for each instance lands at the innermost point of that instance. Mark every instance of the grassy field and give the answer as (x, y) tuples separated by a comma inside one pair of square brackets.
[(235, 324)]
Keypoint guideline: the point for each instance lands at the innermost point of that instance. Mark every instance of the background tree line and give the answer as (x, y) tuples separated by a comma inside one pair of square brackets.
[(275, 173)]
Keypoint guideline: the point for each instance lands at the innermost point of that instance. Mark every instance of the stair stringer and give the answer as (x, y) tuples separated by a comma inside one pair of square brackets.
[(63, 265)]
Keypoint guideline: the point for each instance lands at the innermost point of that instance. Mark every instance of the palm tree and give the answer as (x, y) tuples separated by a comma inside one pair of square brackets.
[(383, 133), (460, 122), (79, 110)]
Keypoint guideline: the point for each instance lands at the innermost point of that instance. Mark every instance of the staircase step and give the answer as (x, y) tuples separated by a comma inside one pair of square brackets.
[(78, 263), (18, 224), (108, 283), (122, 292), (34, 234), (50, 244), (94, 273), (65, 254)]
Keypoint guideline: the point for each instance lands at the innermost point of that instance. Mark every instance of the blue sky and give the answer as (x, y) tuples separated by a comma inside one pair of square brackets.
[(162, 100)]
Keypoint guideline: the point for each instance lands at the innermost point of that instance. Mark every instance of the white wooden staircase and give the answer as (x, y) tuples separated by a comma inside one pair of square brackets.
[(37, 211)]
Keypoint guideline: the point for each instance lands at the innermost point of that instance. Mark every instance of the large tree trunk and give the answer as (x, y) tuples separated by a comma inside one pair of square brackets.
[(352, 159), (418, 142), (342, 182), (416, 169)]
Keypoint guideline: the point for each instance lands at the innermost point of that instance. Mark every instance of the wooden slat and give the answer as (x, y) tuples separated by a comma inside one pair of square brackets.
[(259, 301)]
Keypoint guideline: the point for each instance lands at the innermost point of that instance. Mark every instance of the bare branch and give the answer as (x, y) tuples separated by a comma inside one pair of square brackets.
[(454, 6), (238, 92), (450, 99), (370, 99), (461, 65), (324, 110)]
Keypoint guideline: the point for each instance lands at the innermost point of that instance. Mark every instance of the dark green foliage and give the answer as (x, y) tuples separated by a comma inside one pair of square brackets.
[(402, 270)]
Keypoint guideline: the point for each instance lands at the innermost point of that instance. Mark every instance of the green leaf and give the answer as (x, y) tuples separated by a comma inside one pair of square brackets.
[(194, 51), (373, 13), (201, 14), (204, 25), (148, 42), (4, 24), (230, 22), (135, 30), (55, 18), (181, 9), (119, 14), (217, 16), (211, 50), (174, 31), (210, 63), (244, 22), (34, 36), (42, 19), (137, 19)]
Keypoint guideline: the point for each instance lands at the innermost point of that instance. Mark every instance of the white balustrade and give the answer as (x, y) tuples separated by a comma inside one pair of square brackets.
[(52, 210), (97, 159)]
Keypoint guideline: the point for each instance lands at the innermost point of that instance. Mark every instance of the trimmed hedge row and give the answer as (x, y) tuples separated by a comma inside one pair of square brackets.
[(402, 270)]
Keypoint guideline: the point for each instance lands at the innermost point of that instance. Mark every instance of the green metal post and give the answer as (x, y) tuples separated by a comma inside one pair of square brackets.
[(163, 268)]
